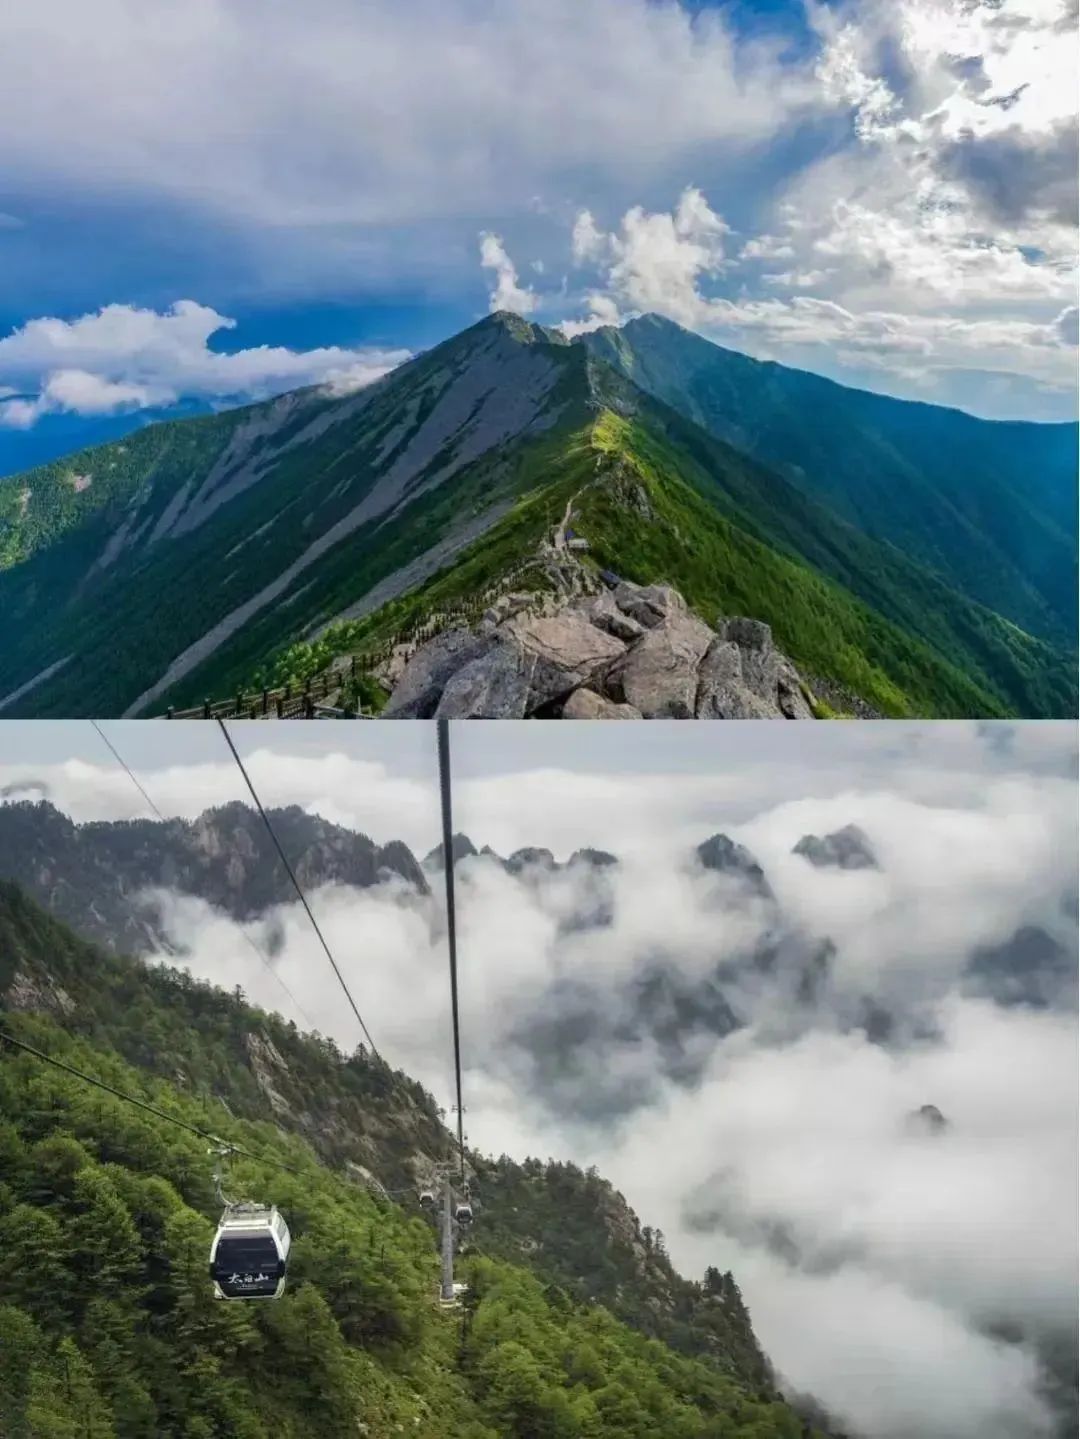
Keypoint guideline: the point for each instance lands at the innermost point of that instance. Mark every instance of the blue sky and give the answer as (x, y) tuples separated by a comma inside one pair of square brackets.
[(879, 190)]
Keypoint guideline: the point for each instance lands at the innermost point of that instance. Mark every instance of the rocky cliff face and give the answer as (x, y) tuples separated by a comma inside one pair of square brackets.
[(89, 874), (625, 652)]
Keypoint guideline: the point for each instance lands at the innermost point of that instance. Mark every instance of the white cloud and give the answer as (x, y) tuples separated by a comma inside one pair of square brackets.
[(123, 357), (586, 241), (906, 1250), (335, 114), (507, 294), (669, 262)]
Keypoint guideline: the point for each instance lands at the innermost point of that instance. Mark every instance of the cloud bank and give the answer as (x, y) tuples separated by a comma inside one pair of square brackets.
[(125, 358)]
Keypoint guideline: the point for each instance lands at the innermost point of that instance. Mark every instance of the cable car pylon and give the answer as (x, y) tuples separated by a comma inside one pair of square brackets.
[(448, 1294)]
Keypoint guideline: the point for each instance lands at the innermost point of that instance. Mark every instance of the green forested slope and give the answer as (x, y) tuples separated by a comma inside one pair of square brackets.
[(989, 506), (843, 604), (659, 500), (183, 562), (107, 1326)]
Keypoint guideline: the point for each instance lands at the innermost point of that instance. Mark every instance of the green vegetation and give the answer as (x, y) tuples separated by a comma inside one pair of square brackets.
[(89, 585), (949, 658), (693, 515), (989, 508), (107, 1326), (78, 492)]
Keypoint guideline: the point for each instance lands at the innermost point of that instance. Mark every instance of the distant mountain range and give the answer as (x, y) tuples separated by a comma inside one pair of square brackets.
[(97, 877), (913, 557)]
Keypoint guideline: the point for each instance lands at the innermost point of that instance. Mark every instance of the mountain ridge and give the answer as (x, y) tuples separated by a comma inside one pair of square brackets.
[(222, 538), (782, 416)]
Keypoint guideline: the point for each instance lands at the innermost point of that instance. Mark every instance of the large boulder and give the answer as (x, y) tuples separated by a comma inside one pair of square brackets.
[(602, 611), (424, 678), (648, 604), (722, 692), (760, 661), (747, 634), (790, 694), (567, 650), (743, 676), (658, 674), (494, 684), (586, 704)]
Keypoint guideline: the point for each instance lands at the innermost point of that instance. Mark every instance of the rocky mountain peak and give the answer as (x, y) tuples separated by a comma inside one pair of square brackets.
[(461, 847), (597, 858), (530, 857), (724, 856), (927, 1119), (847, 848)]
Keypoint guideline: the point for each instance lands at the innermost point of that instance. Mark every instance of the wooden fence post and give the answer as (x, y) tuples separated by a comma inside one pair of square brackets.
[(265, 701), (280, 705)]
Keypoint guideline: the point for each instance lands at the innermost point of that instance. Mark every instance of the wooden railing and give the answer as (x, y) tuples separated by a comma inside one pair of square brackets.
[(300, 701), (307, 700)]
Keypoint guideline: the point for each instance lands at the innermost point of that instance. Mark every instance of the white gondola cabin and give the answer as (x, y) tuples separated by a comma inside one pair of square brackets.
[(250, 1253), (463, 1214)]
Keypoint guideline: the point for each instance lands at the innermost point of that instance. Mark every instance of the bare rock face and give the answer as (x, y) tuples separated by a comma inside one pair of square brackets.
[(602, 611), (847, 848), (42, 996), (790, 693), (567, 644), (723, 692), (629, 652), (495, 684), (587, 705), (659, 674), (427, 673)]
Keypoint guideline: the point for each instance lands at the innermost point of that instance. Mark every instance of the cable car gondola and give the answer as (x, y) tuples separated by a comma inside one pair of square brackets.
[(463, 1214), (427, 1198), (250, 1253)]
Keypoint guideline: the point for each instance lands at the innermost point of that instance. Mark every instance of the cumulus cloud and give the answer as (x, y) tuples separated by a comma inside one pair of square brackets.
[(669, 263), (507, 294), (909, 159), (223, 108), (123, 358), (914, 1281), (937, 246)]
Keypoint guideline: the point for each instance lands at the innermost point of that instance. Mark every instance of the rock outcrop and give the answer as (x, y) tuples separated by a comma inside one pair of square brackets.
[(847, 848), (927, 1119), (722, 855), (628, 652)]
